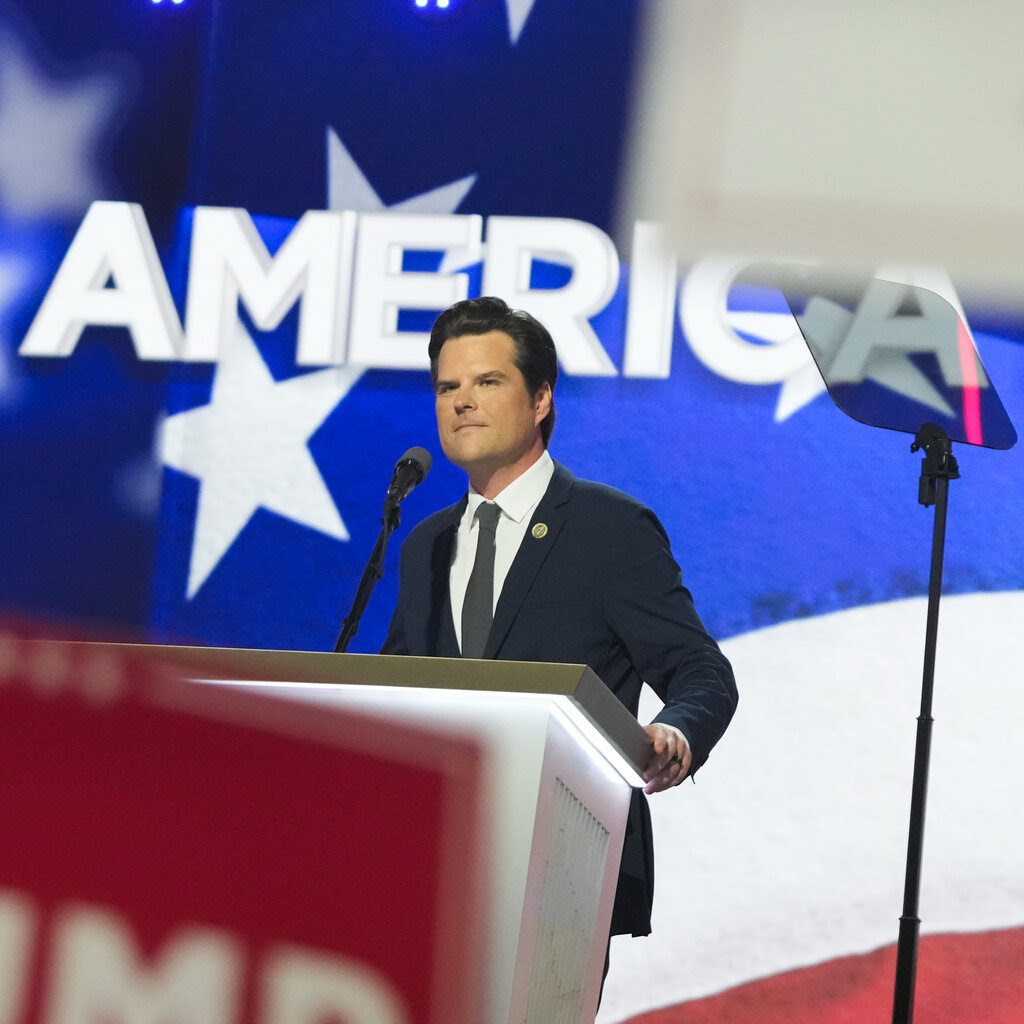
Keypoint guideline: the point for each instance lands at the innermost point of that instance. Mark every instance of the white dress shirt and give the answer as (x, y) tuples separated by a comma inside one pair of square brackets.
[(517, 502)]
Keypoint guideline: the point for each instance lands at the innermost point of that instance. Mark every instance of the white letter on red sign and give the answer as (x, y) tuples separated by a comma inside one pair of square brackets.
[(96, 976), (17, 925), (302, 987), (112, 245)]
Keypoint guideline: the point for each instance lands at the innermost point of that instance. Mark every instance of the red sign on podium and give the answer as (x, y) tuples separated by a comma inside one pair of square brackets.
[(196, 854)]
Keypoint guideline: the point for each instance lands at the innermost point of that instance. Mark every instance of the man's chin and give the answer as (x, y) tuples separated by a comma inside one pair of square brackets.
[(477, 465), (464, 455)]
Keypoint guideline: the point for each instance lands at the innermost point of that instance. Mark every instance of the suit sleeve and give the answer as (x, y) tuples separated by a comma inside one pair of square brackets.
[(654, 617)]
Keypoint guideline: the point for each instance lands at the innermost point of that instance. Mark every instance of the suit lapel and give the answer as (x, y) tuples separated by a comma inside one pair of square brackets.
[(532, 554)]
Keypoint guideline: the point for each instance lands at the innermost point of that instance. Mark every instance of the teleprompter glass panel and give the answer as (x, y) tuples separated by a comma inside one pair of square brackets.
[(893, 354)]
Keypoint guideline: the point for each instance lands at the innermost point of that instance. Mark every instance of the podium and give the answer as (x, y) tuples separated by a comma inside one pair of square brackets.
[(560, 758)]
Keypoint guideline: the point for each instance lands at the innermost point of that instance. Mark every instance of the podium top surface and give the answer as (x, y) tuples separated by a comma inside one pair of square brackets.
[(578, 683)]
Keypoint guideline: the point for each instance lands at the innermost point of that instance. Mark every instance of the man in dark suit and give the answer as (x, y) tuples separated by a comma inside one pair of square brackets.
[(571, 571)]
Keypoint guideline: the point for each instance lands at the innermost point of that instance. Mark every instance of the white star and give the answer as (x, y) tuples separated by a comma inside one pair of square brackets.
[(830, 329), (805, 383), (248, 449), (48, 136), (248, 446), (800, 388), (348, 189), (518, 12)]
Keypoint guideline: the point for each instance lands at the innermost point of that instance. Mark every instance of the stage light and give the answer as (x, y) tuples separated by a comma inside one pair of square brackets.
[(440, 5)]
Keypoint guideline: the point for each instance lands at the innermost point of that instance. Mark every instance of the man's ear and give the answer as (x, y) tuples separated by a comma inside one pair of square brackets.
[(542, 402)]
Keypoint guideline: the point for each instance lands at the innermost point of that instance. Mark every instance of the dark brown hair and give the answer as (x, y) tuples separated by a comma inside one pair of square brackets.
[(534, 356)]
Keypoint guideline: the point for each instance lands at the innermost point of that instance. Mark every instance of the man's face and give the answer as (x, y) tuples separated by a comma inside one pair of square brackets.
[(486, 419)]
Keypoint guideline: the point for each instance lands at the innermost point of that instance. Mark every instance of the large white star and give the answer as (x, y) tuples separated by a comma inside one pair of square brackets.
[(49, 132), (248, 445), (248, 448)]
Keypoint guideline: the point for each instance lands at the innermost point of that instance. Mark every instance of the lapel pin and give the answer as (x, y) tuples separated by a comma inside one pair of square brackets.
[(540, 530)]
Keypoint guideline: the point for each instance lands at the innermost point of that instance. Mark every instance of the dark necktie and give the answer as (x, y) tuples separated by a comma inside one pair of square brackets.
[(478, 607)]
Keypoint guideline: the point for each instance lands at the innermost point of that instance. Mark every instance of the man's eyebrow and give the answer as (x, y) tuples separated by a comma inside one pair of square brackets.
[(443, 382)]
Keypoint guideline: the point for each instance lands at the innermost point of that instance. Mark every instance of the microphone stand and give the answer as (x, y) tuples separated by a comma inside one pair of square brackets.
[(371, 574), (938, 468)]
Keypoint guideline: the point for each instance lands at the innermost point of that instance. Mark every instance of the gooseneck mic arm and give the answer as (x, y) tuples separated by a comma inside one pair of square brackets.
[(410, 471)]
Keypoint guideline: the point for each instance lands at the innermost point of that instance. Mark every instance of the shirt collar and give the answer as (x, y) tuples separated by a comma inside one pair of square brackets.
[(521, 496)]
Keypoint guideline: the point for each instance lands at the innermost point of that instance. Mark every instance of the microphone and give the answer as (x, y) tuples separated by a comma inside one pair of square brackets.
[(410, 471)]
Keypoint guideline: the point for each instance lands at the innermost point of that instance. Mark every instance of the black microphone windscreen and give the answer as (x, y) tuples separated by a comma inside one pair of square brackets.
[(420, 456), (410, 471)]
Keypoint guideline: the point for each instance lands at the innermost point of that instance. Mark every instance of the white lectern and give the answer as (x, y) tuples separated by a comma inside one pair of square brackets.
[(562, 755)]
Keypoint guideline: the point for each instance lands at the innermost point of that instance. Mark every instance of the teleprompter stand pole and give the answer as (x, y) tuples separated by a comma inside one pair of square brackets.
[(938, 469)]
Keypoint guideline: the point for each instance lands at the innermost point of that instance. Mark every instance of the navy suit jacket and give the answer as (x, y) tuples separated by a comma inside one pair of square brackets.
[(601, 588)]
